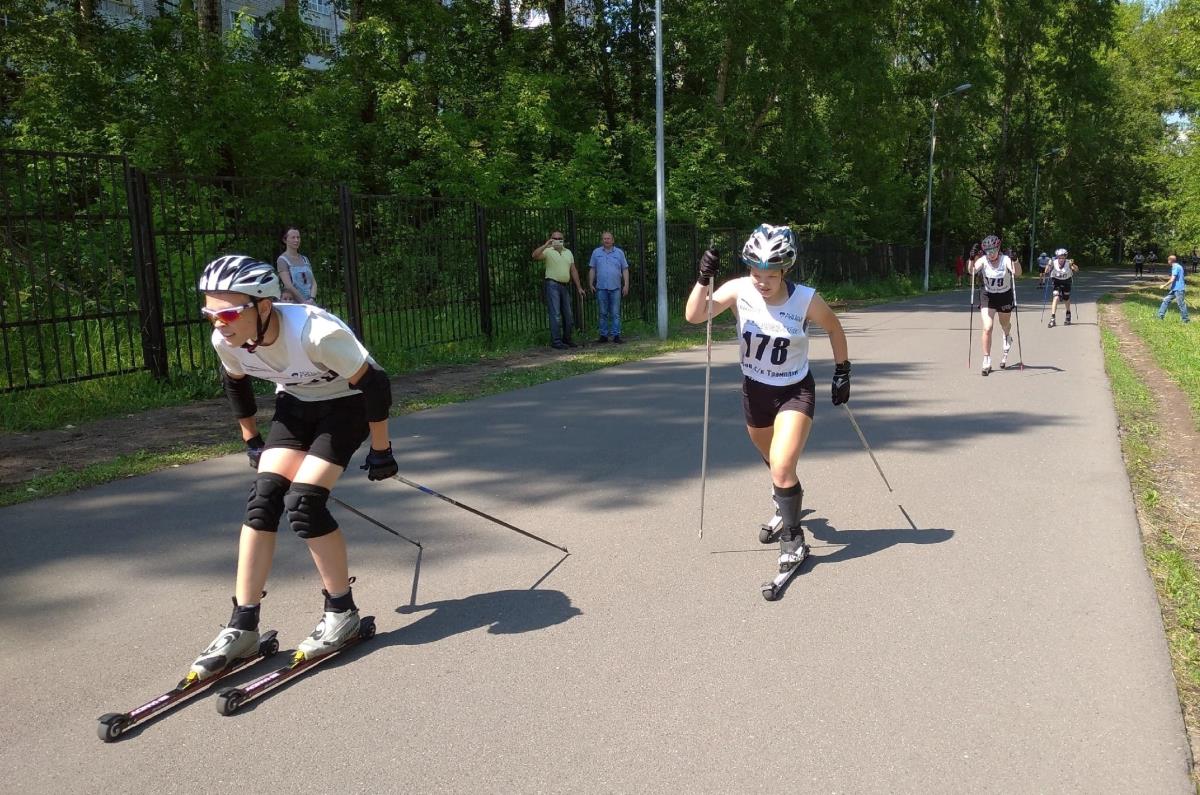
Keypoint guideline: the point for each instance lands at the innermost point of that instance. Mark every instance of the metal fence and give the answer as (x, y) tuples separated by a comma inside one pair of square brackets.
[(98, 263)]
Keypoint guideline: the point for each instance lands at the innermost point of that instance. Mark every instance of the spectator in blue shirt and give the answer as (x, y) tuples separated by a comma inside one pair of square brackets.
[(609, 280), (1175, 287)]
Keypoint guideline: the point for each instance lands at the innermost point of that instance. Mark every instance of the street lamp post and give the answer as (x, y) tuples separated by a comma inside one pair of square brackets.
[(1033, 219), (929, 191), (660, 177)]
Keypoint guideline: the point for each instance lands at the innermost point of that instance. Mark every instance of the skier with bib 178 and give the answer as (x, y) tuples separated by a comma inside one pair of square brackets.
[(1061, 271), (998, 295), (330, 397), (778, 388)]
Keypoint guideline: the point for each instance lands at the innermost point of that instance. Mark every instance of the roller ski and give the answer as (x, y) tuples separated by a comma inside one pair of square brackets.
[(769, 528), (792, 552), (336, 632), (232, 651)]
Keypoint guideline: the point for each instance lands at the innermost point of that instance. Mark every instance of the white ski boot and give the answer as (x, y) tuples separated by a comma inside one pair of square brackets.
[(792, 549), (1007, 346), (987, 365), (228, 647)]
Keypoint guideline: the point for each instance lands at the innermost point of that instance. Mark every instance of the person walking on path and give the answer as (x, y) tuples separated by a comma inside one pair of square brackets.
[(608, 278), (295, 271), (998, 295), (1175, 287), (960, 267), (1139, 264), (1062, 270), (778, 388), (559, 275), (330, 397)]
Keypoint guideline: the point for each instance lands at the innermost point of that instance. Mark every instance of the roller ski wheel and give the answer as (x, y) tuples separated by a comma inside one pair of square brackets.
[(111, 726), (768, 531), (232, 699), (771, 591)]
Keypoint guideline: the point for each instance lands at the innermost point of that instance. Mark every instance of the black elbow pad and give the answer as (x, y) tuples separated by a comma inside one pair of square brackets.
[(240, 394), (377, 391)]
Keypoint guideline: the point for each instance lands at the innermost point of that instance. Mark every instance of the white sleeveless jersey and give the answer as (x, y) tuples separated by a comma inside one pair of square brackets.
[(1060, 268), (774, 338), (996, 278), (311, 359)]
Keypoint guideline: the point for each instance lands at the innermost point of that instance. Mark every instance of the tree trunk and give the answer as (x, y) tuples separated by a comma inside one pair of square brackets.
[(557, 9), (208, 16), (506, 21), (87, 10), (603, 39)]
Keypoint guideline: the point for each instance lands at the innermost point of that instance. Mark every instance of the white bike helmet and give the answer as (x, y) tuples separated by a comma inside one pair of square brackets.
[(991, 241), (237, 273), (770, 248), (1061, 252)]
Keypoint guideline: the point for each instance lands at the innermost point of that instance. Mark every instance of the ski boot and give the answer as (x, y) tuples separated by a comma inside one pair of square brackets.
[(769, 528), (1067, 322), (1007, 347), (792, 549), (987, 365), (237, 641), (339, 624), (1051, 323)]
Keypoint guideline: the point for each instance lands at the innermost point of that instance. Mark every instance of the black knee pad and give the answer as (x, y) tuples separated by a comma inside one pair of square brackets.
[(265, 505), (307, 512)]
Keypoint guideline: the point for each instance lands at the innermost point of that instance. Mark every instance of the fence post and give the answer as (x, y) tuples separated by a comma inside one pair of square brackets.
[(350, 248), (573, 237), (145, 265), (641, 233), (481, 263)]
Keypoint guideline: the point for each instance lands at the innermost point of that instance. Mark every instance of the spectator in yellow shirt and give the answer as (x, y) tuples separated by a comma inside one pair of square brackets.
[(559, 275)]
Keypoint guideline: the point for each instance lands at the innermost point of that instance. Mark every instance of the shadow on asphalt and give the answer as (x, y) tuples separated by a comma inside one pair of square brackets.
[(502, 612)]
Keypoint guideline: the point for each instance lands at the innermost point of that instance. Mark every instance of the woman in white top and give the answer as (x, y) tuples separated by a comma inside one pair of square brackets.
[(295, 271), (778, 389), (998, 295)]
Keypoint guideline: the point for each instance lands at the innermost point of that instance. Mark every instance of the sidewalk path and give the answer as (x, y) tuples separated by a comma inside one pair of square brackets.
[(1007, 640)]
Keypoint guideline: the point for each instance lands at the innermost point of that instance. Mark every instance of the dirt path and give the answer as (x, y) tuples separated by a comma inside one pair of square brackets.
[(24, 456)]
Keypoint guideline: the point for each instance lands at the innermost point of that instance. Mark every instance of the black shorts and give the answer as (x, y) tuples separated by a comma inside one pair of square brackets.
[(1062, 288), (762, 402), (1001, 302), (331, 430)]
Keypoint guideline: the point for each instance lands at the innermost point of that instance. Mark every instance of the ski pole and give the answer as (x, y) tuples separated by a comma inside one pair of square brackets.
[(475, 511), (1017, 319), (1045, 297), (863, 439), (971, 322), (375, 522), (707, 386)]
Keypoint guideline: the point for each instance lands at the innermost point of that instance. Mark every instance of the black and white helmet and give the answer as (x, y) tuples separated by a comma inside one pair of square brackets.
[(991, 242), (770, 248), (237, 273)]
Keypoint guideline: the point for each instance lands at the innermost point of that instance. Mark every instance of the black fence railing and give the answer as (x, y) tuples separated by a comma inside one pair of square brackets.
[(99, 261)]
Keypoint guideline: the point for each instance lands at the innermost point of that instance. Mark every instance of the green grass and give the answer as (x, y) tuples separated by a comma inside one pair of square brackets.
[(140, 463), (1174, 345), (1174, 573)]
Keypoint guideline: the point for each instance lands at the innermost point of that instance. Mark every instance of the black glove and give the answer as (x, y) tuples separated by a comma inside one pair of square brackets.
[(380, 464), (254, 448), (841, 383), (710, 263)]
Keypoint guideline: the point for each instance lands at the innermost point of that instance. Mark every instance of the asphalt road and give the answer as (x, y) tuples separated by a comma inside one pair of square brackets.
[(988, 627)]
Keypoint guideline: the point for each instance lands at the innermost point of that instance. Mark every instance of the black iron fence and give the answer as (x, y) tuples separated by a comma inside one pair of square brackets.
[(99, 261)]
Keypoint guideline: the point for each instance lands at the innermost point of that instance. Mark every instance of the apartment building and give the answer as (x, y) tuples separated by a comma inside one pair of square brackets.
[(320, 15)]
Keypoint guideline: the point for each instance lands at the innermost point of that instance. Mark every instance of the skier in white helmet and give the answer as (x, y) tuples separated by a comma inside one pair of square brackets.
[(778, 388), (330, 397), (998, 273)]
